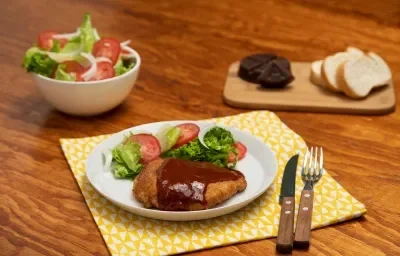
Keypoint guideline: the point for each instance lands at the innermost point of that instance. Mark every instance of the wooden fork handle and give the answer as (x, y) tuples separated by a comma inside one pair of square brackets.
[(304, 218), (284, 241)]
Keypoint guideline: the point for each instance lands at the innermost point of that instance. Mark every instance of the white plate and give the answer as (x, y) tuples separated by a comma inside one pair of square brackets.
[(259, 168)]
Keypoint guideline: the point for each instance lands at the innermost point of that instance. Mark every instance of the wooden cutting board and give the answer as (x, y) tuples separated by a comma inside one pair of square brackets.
[(302, 95)]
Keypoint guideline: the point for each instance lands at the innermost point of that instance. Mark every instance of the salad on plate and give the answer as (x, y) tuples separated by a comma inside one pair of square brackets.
[(80, 56), (180, 141)]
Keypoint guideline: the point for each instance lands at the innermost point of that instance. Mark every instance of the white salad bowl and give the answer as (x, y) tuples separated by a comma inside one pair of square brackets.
[(88, 98)]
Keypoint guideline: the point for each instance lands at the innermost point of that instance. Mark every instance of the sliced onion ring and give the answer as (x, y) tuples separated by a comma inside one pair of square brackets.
[(61, 57), (132, 53), (125, 43), (93, 66), (67, 35), (101, 59)]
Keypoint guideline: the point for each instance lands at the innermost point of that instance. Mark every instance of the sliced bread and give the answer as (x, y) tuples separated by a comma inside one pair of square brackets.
[(330, 67), (355, 51), (357, 77), (315, 76), (382, 67)]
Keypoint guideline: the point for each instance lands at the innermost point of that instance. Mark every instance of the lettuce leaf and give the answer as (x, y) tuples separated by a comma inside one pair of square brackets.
[(126, 158), (123, 66), (220, 144), (122, 171), (37, 62), (62, 75), (172, 136), (76, 39), (87, 34), (70, 47), (195, 151), (167, 136), (219, 138), (56, 46)]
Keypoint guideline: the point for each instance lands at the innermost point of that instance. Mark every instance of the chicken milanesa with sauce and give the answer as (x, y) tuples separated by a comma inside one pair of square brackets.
[(182, 185)]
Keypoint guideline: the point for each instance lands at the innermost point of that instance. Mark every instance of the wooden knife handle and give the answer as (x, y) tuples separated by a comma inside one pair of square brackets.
[(284, 242), (304, 218)]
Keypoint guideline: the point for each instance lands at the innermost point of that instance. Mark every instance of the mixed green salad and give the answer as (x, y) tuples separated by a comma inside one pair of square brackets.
[(79, 56), (182, 142)]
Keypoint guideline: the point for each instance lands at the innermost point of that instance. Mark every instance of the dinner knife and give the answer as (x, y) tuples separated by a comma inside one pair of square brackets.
[(284, 242)]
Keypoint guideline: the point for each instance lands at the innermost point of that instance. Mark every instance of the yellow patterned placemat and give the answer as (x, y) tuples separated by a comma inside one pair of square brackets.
[(128, 234)]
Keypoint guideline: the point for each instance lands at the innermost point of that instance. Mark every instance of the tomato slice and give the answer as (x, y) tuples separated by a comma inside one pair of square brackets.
[(73, 67), (105, 70), (79, 77), (107, 47), (45, 40), (241, 149), (149, 146), (189, 132)]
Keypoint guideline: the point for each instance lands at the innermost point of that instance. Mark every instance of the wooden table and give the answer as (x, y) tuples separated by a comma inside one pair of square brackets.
[(186, 48)]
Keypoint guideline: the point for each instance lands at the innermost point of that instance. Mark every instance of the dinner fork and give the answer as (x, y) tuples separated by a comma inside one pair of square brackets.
[(311, 173)]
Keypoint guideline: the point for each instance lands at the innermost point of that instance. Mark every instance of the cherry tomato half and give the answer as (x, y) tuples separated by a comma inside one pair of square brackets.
[(105, 70), (72, 66), (45, 40), (241, 149), (189, 132), (149, 146), (107, 47)]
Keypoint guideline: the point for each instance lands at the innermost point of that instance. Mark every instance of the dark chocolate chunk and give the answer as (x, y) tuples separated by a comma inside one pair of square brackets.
[(276, 74), (252, 66), (267, 69), (284, 62)]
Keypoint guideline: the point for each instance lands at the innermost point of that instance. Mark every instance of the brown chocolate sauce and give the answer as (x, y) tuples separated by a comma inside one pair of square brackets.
[(181, 183)]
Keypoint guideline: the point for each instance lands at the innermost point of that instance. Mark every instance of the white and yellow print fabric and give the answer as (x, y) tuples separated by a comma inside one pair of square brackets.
[(128, 234)]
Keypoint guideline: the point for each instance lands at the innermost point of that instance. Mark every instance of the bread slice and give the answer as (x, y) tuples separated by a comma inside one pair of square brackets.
[(315, 76), (330, 67), (359, 76), (382, 66), (339, 73), (355, 51)]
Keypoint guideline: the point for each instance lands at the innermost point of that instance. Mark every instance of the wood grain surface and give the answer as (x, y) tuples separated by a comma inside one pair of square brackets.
[(302, 234), (284, 239), (186, 48)]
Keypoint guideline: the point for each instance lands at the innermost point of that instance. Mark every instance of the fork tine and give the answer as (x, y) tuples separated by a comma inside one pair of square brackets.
[(303, 169), (321, 163), (310, 164), (315, 170)]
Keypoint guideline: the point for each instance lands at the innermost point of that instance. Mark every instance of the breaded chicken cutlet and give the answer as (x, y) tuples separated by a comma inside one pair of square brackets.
[(182, 185)]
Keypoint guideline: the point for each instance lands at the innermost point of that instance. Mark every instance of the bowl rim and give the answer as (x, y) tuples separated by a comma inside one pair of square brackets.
[(133, 70)]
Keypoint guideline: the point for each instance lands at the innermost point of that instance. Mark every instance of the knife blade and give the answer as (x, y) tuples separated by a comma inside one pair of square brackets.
[(289, 178), (284, 241)]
